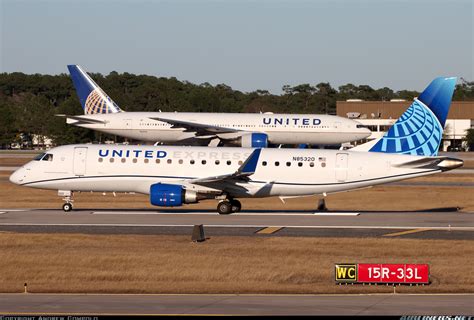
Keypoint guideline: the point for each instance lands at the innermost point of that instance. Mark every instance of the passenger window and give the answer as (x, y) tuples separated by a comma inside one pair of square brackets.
[(112, 160), (277, 163), (123, 160), (135, 160), (229, 162), (157, 160), (240, 162), (101, 159), (217, 162), (191, 161), (203, 161), (300, 164), (288, 164), (323, 164), (264, 163), (146, 160), (180, 161), (311, 164), (169, 161)]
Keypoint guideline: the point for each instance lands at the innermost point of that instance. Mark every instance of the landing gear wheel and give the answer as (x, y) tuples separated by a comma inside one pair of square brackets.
[(224, 207), (67, 207), (236, 205)]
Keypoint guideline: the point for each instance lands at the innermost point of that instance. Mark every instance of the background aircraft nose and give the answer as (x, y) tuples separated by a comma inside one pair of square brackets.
[(17, 176)]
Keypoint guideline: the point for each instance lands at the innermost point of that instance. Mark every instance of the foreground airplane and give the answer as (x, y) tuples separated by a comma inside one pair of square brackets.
[(173, 176), (200, 128)]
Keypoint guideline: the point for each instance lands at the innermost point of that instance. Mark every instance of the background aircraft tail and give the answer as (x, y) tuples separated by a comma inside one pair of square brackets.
[(93, 99), (419, 130)]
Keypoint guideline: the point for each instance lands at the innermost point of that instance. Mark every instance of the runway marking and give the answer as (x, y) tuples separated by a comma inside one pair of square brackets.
[(234, 214), (396, 234), (269, 230), (336, 213), (236, 226)]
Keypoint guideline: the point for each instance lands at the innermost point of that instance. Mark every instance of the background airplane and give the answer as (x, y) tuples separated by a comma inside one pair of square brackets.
[(174, 175), (256, 130)]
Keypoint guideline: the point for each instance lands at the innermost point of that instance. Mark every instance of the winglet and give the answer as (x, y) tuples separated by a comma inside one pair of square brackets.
[(93, 99), (249, 166)]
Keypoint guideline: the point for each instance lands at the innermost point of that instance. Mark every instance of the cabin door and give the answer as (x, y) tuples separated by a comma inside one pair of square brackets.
[(80, 157), (341, 166)]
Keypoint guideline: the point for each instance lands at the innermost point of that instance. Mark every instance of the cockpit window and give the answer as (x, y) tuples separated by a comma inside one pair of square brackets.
[(361, 126), (47, 157), (39, 157)]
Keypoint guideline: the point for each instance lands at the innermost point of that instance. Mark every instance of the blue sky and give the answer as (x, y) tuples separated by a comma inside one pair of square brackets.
[(247, 45)]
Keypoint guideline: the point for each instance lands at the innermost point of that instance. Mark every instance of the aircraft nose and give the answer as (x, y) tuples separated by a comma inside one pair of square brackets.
[(18, 176)]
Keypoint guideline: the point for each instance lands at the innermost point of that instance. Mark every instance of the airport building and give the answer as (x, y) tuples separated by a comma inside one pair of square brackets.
[(378, 116)]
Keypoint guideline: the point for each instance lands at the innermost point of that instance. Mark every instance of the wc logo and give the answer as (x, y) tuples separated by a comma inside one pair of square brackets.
[(99, 102), (345, 273)]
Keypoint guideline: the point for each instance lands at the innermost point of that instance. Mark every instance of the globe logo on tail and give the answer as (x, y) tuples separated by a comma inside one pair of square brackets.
[(417, 132), (98, 102)]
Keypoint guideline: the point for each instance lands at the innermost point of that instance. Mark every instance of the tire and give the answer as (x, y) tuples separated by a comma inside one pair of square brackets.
[(67, 207), (236, 205), (224, 207)]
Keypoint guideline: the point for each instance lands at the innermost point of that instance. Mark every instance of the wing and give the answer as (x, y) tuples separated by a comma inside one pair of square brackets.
[(241, 175), (199, 128)]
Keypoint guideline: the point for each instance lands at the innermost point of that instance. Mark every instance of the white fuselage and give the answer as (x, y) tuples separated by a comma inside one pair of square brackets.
[(279, 172), (280, 128)]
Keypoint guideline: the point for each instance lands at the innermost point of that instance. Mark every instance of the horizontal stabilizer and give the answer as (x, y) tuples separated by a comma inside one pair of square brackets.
[(81, 119), (441, 163)]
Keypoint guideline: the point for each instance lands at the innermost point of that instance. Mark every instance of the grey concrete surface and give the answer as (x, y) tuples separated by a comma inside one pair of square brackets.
[(445, 223), (376, 304)]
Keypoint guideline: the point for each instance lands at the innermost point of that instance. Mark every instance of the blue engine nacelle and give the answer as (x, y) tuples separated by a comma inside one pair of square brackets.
[(254, 140), (170, 195)]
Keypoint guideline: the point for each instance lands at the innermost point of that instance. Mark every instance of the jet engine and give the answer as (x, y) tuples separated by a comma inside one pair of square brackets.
[(171, 195), (254, 140)]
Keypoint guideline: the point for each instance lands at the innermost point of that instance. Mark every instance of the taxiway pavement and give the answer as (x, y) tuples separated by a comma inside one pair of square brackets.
[(109, 304), (443, 223)]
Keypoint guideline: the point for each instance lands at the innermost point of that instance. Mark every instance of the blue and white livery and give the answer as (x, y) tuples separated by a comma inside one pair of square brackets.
[(420, 129), (256, 130), (174, 175), (93, 99)]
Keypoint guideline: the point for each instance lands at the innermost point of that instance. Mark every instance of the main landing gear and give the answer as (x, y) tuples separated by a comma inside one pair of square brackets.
[(67, 197), (229, 206)]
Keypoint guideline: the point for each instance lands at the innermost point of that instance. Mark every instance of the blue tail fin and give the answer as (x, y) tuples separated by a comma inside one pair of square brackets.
[(93, 99), (419, 130)]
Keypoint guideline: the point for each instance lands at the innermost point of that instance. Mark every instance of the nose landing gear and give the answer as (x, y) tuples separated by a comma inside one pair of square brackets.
[(67, 207), (67, 197)]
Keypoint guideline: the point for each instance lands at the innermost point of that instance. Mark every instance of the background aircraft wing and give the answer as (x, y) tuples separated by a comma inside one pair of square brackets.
[(199, 128)]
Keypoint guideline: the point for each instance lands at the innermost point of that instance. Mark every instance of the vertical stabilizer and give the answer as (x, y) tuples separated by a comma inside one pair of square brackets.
[(419, 130), (93, 99)]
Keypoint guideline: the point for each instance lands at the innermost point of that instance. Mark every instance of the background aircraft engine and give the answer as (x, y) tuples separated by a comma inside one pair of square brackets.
[(254, 140), (171, 195)]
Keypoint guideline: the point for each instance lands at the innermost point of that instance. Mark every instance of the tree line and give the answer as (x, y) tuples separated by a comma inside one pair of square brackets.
[(29, 103)]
